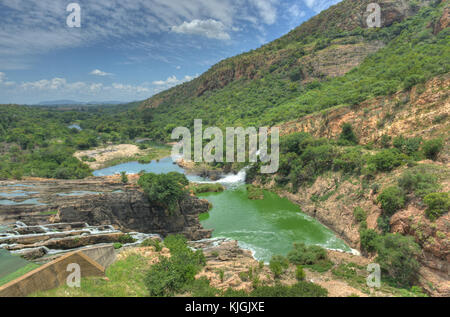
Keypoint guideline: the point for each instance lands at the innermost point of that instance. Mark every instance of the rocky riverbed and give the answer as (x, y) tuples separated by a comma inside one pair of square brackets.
[(41, 217)]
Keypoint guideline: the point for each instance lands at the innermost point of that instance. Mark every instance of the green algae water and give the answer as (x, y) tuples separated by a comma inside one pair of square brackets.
[(266, 227)]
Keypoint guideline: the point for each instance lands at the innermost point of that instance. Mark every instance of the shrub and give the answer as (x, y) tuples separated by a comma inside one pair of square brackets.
[(117, 245), (432, 148), (347, 134), (384, 224), (397, 257), (438, 204), (278, 264), (387, 160), (164, 189), (152, 243), (391, 199), (314, 257), (124, 177), (360, 214), (172, 275), (419, 182), (300, 273), (125, 239), (368, 238), (207, 188), (408, 146)]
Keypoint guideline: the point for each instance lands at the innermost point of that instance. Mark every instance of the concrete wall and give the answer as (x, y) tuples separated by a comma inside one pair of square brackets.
[(51, 275), (104, 255)]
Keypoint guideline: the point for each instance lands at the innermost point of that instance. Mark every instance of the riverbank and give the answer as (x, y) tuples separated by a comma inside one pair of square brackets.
[(104, 157)]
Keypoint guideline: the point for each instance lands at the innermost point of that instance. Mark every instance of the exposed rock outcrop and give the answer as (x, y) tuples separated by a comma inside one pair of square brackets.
[(101, 201)]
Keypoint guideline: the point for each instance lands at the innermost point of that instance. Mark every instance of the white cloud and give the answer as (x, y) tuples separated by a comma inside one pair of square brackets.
[(267, 10), (208, 28), (29, 28), (98, 72), (296, 12), (319, 5), (173, 80), (2, 77)]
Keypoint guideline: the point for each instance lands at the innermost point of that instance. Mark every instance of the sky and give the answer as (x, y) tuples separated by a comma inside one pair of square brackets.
[(129, 50)]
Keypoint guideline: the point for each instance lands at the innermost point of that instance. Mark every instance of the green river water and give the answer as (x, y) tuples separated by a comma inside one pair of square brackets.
[(267, 227)]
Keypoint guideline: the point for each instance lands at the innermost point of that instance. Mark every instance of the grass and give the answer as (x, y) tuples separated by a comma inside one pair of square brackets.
[(125, 278), (254, 193), (20, 272), (206, 188), (355, 276)]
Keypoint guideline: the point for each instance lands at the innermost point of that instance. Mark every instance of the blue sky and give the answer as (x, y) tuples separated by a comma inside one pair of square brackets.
[(130, 50)]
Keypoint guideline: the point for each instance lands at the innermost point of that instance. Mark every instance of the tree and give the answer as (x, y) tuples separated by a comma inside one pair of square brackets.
[(347, 134), (438, 204), (432, 148), (397, 256), (391, 199)]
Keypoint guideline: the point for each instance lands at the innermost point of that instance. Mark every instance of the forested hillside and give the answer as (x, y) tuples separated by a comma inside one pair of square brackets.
[(331, 60)]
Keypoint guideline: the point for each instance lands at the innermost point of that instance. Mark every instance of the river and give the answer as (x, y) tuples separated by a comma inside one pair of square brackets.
[(266, 227)]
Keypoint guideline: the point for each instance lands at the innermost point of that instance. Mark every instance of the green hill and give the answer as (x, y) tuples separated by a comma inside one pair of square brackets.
[(332, 59)]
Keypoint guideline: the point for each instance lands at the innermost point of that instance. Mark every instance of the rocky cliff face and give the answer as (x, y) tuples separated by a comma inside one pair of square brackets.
[(423, 111), (100, 201), (131, 211)]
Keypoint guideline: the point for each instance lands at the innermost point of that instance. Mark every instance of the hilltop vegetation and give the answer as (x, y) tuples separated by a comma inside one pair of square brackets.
[(279, 81), (38, 141)]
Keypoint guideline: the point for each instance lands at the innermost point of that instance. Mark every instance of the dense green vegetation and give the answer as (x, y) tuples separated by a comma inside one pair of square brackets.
[(171, 275), (275, 94), (38, 141), (165, 190)]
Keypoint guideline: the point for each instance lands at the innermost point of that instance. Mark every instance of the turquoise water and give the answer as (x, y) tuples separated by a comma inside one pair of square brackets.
[(164, 165), (267, 227), (34, 201)]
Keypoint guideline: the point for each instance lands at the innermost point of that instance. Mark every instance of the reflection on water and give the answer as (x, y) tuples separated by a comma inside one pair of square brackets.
[(163, 166)]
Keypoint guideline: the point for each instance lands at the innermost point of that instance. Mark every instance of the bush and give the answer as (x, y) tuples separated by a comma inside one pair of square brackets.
[(165, 190), (368, 238), (387, 160), (314, 257), (359, 214), (300, 273), (124, 177), (207, 188), (397, 257), (438, 204), (432, 148), (278, 264), (117, 245), (408, 146), (391, 199), (418, 182), (347, 134), (174, 274), (125, 239), (152, 243)]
